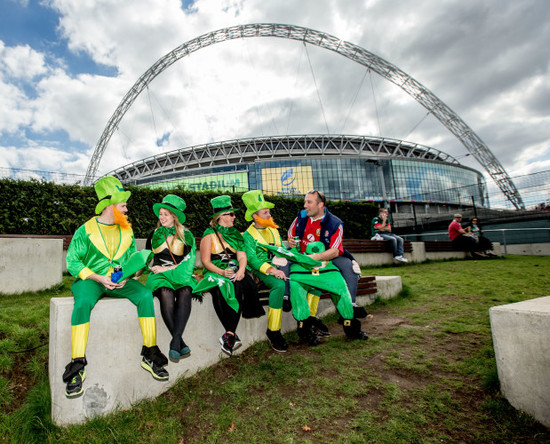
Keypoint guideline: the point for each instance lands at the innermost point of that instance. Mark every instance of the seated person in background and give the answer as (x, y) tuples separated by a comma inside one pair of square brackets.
[(171, 279), (485, 245), (381, 227), (461, 239)]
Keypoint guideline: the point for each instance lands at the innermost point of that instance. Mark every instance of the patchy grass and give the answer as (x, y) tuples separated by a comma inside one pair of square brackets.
[(427, 374)]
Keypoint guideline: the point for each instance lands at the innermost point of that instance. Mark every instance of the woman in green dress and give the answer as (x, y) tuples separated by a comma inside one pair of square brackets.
[(171, 278), (224, 260)]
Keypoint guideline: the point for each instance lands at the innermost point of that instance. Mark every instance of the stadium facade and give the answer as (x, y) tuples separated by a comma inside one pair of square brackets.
[(390, 171)]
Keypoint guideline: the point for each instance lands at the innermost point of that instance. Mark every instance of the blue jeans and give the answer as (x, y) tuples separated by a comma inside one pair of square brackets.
[(396, 243), (346, 270)]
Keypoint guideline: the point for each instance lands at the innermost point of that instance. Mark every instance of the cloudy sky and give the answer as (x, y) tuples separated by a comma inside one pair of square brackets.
[(65, 65)]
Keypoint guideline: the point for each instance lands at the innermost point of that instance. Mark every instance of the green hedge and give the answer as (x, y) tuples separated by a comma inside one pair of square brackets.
[(36, 207)]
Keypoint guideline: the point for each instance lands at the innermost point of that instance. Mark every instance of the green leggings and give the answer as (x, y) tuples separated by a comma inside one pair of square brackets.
[(87, 292), (276, 289)]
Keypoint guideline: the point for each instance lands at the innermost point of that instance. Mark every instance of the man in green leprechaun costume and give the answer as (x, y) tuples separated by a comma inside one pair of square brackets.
[(98, 247), (263, 230), (311, 277)]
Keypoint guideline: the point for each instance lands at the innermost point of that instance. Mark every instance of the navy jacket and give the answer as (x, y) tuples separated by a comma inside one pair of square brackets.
[(329, 225)]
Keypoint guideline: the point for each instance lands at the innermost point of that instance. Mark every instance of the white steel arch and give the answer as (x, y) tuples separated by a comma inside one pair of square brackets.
[(415, 89)]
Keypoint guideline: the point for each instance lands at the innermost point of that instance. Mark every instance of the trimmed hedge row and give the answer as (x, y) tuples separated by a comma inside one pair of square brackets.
[(37, 207)]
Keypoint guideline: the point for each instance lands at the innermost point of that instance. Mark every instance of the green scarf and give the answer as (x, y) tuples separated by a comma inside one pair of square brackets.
[(159, 235), (230, 234)]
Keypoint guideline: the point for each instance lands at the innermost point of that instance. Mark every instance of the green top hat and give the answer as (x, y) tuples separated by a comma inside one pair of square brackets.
[(315, 247), (109, 191), (222, 204), (254, 201), (172, 203)]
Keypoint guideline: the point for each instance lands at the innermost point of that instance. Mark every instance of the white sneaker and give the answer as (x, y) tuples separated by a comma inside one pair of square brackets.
[(401, 259)]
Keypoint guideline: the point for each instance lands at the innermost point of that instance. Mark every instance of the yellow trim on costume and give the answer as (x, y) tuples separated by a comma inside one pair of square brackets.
[(126, 235), (92, 230), (265, 266), (79, 339), (313, 302), (255, 233), (149, 331), (274, 318), (85, 273)]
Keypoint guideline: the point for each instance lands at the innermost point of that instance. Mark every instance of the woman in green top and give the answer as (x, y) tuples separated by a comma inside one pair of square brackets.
[(224, 261), (171, 278)]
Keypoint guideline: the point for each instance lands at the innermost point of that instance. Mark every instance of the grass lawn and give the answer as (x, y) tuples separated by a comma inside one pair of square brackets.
[(427, 373)]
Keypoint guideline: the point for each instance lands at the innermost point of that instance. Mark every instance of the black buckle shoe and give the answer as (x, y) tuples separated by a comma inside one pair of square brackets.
[(277, 341), (320, 328)]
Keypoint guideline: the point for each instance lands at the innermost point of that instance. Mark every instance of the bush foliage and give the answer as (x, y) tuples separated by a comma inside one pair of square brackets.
[(45, 208)]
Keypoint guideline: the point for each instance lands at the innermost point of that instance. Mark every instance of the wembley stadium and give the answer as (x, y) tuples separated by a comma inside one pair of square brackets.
[(344, 167)]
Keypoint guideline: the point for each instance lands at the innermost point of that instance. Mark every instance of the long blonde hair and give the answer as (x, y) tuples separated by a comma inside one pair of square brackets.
[(215, 220), (180, 229)]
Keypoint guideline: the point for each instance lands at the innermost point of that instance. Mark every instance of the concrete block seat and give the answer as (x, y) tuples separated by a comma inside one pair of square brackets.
[(114, 377), (521, 339)]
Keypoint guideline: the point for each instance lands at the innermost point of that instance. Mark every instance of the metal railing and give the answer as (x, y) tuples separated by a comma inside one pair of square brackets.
[(503, 240)]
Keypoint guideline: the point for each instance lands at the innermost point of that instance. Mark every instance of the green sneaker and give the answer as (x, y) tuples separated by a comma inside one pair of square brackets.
[(159, 373)]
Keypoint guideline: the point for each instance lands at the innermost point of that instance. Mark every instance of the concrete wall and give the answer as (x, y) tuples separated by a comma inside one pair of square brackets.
[(521, 339), (114, 378), (30, 264), (529, 249)]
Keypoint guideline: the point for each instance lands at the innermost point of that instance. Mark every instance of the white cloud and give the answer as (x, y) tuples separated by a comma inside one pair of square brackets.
[(487, 61), (21, 62)]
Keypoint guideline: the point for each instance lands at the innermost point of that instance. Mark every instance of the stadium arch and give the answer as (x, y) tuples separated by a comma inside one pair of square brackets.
[(390, 72)]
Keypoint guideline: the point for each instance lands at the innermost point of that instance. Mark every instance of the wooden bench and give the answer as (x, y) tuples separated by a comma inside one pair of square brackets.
[(370, 246)]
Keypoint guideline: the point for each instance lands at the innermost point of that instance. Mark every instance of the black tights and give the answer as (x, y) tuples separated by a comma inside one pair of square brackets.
[(227, 316), (175, 307)]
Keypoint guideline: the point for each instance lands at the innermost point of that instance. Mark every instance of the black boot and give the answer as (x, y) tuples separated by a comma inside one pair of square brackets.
[(319, 328), (277, 341), (305, 332), (352, 328)]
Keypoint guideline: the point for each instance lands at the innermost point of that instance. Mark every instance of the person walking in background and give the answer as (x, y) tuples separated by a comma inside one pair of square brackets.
[(171, 279), (381, 227), (99, 246)]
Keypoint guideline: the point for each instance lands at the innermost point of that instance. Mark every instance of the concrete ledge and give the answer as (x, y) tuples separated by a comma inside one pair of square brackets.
[(114, 378), (30, 264), (521, 339)]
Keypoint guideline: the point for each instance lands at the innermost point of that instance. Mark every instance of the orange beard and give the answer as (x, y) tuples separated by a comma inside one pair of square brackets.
[(121, 219), (266, 222)]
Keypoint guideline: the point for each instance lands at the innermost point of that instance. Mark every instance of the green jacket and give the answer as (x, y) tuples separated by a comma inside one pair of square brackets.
[(257, 256), (87, 253)]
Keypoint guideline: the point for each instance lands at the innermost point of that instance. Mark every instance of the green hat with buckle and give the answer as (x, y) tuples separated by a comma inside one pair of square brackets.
[(222, 204), (254, 201), (172, 203), (109, 191)]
